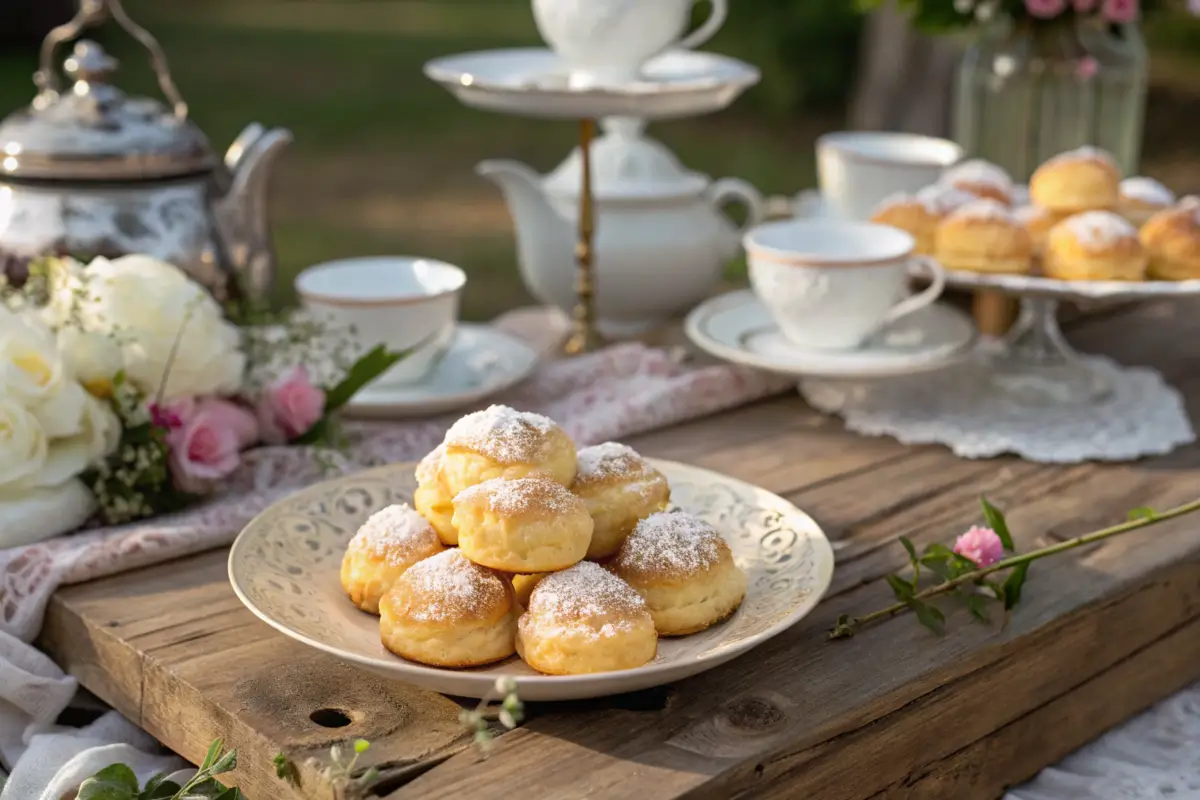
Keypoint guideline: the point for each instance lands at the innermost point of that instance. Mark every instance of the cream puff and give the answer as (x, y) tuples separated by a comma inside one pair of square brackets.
[(522, 526), (619, 488), (981, 179), (585, 620), (524, 585), (448, 612), (684, 571), (1142, 198), (386, 545), (1087, 179), (984, 236), (1094, 246), (431, 497), (919, 215), (500, 442), (1172, 239), (1037, 222)]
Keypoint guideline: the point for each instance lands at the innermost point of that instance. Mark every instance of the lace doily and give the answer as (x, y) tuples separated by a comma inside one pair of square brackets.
[(1155, 756), (961, 409)]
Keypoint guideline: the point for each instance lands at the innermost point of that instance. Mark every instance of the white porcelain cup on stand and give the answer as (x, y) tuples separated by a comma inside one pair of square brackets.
[(833, 284), (396, 301), (606, 42), (859, 169)]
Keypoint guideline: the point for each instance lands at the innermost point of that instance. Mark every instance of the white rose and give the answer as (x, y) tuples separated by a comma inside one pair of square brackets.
[(100, 430), (31, 367), (149, 305), (34, 515), (93, 358), (23, 446)]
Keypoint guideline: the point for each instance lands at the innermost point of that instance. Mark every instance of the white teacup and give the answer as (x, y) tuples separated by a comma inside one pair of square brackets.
[(606, 42), (396, 301), (859, 169), (832, 284)]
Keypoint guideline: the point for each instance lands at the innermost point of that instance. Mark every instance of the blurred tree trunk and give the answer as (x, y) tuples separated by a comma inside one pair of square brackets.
[(905, 79)]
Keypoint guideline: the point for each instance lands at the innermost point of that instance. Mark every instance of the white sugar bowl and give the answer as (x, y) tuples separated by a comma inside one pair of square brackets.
[(661, 238)]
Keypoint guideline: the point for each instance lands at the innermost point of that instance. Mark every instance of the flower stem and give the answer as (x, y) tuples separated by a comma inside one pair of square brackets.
[(847, 627)]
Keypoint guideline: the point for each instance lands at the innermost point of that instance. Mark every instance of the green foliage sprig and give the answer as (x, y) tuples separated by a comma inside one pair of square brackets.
[(118, 782)]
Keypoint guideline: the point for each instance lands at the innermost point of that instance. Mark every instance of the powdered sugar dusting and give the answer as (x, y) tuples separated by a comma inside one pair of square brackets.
[(448, 586), (1086, 153), (1098, 230), (1147, 190), (943, 199), (977, 172), (503, 434), (1028, 214), (427, 468), (892, 201), (533, 495), (671, 541), (585, 591), (984, 209), (611, 460), (395, 533)]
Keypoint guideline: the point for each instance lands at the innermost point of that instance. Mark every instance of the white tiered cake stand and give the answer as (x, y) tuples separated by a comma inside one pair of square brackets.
[(533, 82)]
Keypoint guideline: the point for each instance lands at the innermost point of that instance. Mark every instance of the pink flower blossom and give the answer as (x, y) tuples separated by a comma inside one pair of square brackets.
[(1045, 9), (981, 545), (1194, 7), (207, 444), (1121, 11), (1087, 68), (290, 407), (1085, 6)]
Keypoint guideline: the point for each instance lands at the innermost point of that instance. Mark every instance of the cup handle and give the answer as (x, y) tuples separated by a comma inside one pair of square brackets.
[(736, 190), (716, 19), (910, 305)]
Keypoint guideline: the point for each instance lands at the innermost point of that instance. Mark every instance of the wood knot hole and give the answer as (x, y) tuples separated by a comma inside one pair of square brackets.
[(330, 718), (753, 714)]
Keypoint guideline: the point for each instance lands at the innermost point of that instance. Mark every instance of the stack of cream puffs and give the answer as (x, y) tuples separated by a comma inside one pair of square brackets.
[(1078, 221), (519, 543)]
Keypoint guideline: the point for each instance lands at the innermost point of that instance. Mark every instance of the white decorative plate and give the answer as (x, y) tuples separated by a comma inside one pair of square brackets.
[(533, 82), (737, 327), (285, 567), (480, 362)]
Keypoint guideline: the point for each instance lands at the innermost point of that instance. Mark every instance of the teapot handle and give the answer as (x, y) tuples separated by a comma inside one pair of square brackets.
[(91, 13), (736, 190)]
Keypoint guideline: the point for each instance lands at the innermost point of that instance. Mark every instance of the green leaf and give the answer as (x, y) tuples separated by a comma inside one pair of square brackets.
[(1143, 512), (901, 588), (159, 788), (996, 522), (912, 551), (365, 370), (1013, 584), (284, 769), (114, 782), (937, 550), (232, 793), (226, 763), (938, 566), (929, 616), (843, 628), (977, 605), (214, 752)]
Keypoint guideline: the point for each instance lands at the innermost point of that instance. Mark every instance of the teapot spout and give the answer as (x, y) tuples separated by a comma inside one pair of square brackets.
[(241, 212), (542, 234)]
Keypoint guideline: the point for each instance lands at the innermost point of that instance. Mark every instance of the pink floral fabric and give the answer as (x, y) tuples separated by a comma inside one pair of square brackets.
[(614, 393)]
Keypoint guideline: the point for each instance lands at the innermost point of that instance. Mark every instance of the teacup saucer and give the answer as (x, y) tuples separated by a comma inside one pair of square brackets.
[(736, 327), (480, 362), (534, 82)]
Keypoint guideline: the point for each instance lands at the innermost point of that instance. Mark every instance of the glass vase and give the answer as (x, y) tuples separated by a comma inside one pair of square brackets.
[(1027, 91)]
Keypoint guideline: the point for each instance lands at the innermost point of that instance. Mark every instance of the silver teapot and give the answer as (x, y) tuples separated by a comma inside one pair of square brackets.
[(88, 171)]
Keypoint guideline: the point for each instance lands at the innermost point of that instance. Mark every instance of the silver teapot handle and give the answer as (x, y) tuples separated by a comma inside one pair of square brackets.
[(92, 13)]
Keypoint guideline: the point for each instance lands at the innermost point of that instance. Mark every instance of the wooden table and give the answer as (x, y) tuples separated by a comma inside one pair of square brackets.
[(895, 712)]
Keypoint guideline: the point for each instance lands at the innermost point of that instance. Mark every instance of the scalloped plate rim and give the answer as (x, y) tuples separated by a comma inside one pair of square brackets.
[(556, 687)]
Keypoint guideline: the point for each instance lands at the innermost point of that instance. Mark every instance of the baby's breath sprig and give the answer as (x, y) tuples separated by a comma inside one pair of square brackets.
[(510, 712), (339, 773), (327, 349)]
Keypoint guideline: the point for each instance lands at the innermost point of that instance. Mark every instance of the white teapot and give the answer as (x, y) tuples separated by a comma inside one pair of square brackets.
[(661, 239)]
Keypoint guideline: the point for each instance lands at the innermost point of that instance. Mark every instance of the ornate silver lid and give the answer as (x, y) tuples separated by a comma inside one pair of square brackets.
[(92, 130)]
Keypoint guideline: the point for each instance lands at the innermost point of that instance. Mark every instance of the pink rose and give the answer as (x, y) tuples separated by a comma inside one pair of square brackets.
[(1085, 6), (1045, 9), (1194, 7), (981, 545), (1087, 68), (1121, 11), (207, 444), (290, 407)]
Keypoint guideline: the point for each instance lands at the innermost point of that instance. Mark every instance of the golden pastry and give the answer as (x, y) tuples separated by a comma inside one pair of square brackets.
[(1037, 222), (585, 620), (447, 612), (984, 236), (683, 569), (524, 585), (919, 215), (522, 526), (1094, 246), (386, 545), (981, 179), (1142, 198), (619, 488), (432, 499), (500, 442), (1172, 240), (1086, 179)]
